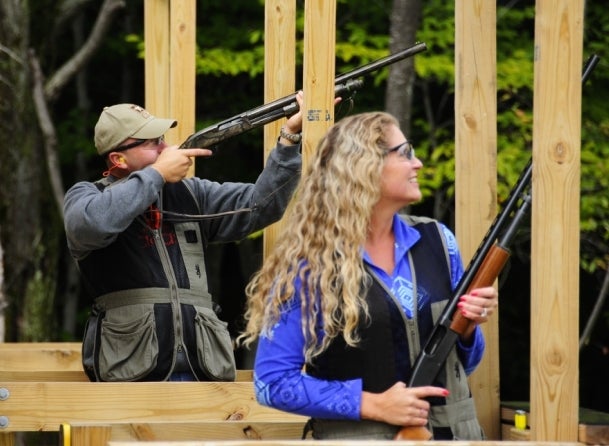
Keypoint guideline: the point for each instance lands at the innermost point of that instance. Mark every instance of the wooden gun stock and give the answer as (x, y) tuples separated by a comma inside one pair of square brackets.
[(487, 274), (414, 433)]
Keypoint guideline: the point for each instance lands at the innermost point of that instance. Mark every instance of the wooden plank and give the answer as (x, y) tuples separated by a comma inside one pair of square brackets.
[(52, 361), (38, 356), (45, 375), (346, 443), (90, 435), (182, 50), (170, 39), (279, 78), (73, 346), (319, 71), (222, 430), (77, 375), (43, 406), (514, 434), (244, 375), (590, 434), (476, 151), (555, 220), (157, 60)]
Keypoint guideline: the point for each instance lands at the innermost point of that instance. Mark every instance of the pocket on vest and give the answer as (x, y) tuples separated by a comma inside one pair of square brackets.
[(467, 430), (460, 417), (129, 346), (88, 346), (214, 346)]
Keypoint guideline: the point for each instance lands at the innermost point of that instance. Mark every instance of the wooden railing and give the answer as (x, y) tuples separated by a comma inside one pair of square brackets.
[(343, 443), (51, 361), (43, 388)]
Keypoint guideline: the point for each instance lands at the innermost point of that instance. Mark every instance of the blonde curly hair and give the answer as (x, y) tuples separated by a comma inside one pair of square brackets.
[(325, 231)]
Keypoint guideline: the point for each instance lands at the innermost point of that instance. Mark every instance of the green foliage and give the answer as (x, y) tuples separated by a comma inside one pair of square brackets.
[(515, 76), (223, 62), (438, 33)]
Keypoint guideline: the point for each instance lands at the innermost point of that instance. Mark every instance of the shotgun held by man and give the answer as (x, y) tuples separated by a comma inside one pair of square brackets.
[(344, 85)]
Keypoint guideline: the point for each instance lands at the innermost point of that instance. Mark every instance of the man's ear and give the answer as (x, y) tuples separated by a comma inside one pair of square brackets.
[(116, 159)]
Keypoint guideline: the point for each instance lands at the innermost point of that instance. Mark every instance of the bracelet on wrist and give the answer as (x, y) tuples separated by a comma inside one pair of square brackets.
[(294, 138)]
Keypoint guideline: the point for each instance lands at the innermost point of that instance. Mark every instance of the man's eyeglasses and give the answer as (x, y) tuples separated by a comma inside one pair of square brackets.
[(139, 142), (405, 150)]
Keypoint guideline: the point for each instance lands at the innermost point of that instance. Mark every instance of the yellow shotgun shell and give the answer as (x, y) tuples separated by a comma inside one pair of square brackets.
[(520, 419)]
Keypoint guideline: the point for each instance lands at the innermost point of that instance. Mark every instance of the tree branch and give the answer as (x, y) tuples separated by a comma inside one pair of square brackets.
[(48, 131), (67, 71), (43, 95)]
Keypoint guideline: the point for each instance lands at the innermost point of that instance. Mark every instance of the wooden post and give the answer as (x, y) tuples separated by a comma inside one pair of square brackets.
[(555, 220), (157, 61), (182, 50), (90, 435), (319, 71), (170, 39), (476, 172), (279, 76)]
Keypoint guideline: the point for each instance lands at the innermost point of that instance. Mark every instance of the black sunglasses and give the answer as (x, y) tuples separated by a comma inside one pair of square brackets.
[(139, 142)]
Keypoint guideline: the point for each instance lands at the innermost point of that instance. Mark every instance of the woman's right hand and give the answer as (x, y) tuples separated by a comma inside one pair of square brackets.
[(400, 405)]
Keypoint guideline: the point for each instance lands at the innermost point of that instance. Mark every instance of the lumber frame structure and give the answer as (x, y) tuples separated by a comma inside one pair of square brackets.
[(170, 82)]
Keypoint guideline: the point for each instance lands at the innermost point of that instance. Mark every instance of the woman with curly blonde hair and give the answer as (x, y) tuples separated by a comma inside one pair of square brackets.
[(352, 289)]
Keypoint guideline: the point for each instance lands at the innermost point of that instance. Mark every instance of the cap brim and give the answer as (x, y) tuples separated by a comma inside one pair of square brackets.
[(154, 128)]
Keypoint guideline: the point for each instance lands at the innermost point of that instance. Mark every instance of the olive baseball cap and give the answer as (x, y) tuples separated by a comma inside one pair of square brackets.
[(122, 121)]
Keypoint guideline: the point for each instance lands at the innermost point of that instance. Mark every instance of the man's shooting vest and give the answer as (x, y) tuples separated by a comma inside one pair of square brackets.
[(152, 304), (387, 331)]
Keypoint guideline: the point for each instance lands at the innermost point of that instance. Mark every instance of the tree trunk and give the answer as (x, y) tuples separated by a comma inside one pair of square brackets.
[(405, 21), (28, 230), (30, 203), (3, 302)]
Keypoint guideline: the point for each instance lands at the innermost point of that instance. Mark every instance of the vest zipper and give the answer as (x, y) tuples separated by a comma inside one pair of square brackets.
[(174, 295)]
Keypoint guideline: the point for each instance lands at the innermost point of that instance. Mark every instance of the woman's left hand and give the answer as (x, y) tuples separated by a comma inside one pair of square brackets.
[(479, 304)]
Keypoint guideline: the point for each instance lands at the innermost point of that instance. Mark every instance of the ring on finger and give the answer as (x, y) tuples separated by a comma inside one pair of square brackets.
[(484, 312)]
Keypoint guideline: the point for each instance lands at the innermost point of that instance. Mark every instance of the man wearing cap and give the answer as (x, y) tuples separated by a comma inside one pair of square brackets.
[(139, 236)]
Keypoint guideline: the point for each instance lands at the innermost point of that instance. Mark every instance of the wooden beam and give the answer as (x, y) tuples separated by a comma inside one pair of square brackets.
[(44, 406), (319, 72), (156, 54), (52, 361), (279, 77), (170, 42), (181, 87), (344, 443), (555, 220), (476, 171), (218, 430), (37, 356)]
